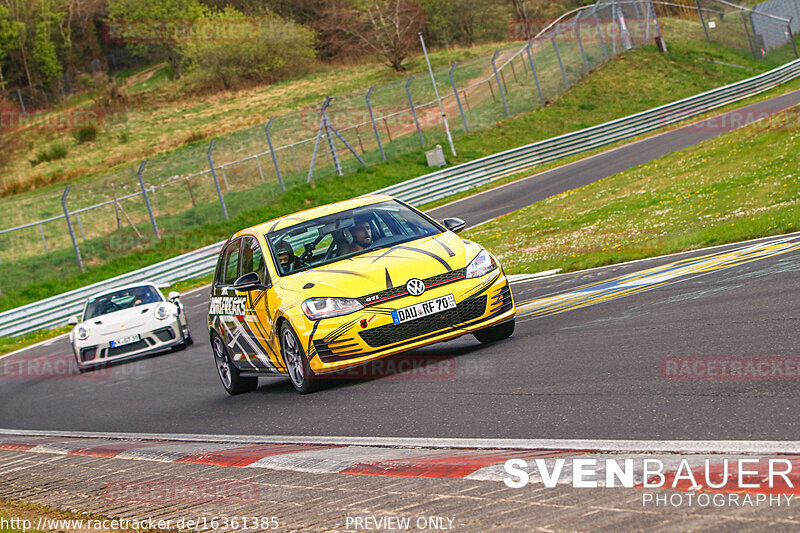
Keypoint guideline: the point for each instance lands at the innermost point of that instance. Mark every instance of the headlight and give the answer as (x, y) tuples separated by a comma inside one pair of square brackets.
[(161, 312), (482, 264), (316, 308), (82, 332)]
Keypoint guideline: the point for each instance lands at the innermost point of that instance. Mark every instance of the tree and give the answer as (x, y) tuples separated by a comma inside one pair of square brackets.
[(44, 50), (465, 21), (387, 27), (8, 32), (276, 47), (124, 12)]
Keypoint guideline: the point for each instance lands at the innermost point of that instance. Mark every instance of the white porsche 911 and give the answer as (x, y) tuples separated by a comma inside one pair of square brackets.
[(128, 322)]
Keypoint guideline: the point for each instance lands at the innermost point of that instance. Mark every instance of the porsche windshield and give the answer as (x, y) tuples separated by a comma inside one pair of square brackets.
[(120, 300), (346, 234)]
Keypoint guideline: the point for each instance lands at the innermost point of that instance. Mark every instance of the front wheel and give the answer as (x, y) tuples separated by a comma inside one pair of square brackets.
[(228, 373), (496, 333), (300, 373)]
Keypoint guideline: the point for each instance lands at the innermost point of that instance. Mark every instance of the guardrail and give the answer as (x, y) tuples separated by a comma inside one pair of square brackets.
[(418, 191)]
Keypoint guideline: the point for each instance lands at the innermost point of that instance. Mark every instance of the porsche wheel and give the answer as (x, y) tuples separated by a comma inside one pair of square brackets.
[(300, 373), (495, 333), (228, 373)]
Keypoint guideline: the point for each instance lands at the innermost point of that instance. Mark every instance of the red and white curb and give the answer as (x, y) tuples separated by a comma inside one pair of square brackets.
[(756, 473)]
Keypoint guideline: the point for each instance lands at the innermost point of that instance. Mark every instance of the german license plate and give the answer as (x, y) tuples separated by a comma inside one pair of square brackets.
[(124, 340), (429, 307)]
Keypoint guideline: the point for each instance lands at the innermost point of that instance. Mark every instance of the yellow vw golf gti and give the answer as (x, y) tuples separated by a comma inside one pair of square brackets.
[(344, 284)]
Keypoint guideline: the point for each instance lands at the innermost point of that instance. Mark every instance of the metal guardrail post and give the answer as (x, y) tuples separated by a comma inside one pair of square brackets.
[(374, 125), (71, 230), (272, 153), (500, 87), (458, 98), (560, 63), (533, 71), (147, 199), (216, 181), (702, 19), (414, 110)]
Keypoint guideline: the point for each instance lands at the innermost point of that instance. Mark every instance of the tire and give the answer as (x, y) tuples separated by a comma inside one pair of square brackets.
[(189, 339), (495, 333), (294, 357), (228, 373)]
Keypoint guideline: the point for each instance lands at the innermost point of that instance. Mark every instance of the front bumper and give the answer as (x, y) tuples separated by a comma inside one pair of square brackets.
[(152, 341), (336, 344)]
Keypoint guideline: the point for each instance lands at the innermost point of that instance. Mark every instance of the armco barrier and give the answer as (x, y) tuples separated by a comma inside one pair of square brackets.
[(418, 191)]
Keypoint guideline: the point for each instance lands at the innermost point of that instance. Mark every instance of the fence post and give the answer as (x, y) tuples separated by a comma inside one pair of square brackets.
[(80, 225), (331, 146), (560, 63), (580, 44), (500, 87), (191, 195), (71, 230), (702, 20), (600, 34), (216, 181), (414, 110), (21, 103), (535, 76), (260, 172), (44, 241), (791, 38), (458, 99), (316, 145), (374, 125), (272, 153), (749, 38), (147, 199)]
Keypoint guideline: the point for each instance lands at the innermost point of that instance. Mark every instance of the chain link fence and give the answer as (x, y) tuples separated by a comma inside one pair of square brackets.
[(257, 165)]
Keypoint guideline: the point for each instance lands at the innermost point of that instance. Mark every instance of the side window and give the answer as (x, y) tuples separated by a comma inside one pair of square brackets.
[(231, 267), (253, 259)]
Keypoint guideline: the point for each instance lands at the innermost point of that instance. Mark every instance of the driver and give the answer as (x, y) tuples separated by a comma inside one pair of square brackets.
[(288, 261), (362, 233)]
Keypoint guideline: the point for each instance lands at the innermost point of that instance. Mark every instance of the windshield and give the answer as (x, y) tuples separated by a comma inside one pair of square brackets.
[(123, 299), (346, 234)]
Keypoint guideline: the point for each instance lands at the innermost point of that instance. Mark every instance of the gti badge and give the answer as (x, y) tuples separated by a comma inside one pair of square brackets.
[(415, 287)]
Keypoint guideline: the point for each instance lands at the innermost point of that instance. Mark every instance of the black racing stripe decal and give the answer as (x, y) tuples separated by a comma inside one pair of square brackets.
[(429, 254), (389, 284), (311, 336), (332, 271), (480, 289), (254, 303), (341, 330), (450, 252)]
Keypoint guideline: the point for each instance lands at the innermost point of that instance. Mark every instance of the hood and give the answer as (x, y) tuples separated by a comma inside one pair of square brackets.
[(121, 321), (384, 268)]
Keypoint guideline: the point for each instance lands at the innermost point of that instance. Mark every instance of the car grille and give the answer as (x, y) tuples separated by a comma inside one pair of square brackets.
[(396, 292), (88, 354), (337, 350), (501, 302), (127, 348), (392, 333), (164, 334)]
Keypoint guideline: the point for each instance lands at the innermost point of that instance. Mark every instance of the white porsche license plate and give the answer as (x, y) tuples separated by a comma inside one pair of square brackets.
[(125, 340), (429, 307)]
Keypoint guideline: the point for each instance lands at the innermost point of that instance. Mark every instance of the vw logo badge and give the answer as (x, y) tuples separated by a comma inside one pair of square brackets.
[(415, 286)]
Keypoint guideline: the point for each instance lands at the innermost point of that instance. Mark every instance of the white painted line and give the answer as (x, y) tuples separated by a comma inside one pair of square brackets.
[(645, 446)]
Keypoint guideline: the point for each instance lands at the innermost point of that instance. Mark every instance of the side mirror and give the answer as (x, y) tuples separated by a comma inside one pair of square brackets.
[(174, 295), (454, 224), (249, 282), (73, 321)]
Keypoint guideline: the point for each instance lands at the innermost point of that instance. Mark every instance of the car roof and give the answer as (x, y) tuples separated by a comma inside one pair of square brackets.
[(124, 287), (311, 214)]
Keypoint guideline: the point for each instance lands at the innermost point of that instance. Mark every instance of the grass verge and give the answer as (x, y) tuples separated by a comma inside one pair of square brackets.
[(739, 186)]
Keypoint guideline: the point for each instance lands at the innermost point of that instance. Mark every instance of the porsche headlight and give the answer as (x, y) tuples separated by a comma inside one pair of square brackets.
[(482, 264), (82, 333), (161, 312), (317, 308)]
